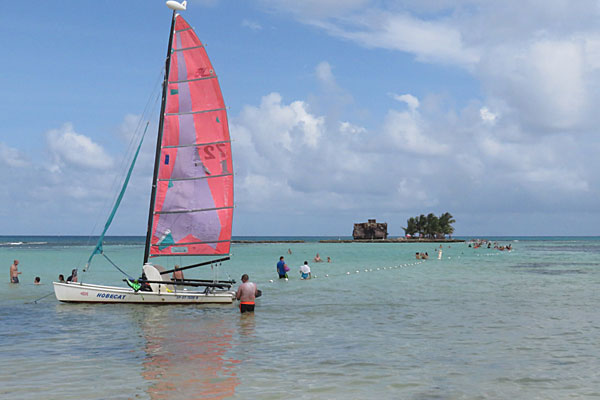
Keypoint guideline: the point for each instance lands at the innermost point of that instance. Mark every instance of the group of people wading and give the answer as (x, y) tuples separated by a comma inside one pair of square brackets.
[(14, 275), (283, 269)]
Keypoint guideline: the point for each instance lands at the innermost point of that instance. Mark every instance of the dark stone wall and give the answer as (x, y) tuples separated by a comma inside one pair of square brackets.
[(370, 230)]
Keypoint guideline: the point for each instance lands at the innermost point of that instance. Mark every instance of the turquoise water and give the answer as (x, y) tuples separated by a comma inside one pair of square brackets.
[(478, 324)]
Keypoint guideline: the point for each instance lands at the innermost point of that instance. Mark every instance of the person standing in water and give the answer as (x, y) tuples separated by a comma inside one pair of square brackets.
[(305, 271), (246, 294), (14, 272), (282, 268), (177, 274)]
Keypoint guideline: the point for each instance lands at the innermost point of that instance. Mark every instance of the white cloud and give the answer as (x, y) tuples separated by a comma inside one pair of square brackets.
[(324, 74), (283, 126), (286, 156), (12, 157), (408, 131), (252, 25), (542, 63), (316, 8), (351, 129), (71, 148), (71, 185), (487, 116), (430, 41), (411, 101), (292, 160), (543, 82), (412, 193)]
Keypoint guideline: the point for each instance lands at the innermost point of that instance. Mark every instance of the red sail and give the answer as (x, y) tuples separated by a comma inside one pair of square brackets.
[(193, 208)]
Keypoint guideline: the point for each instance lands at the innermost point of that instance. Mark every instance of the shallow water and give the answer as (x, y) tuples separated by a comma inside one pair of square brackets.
[(477, 324)]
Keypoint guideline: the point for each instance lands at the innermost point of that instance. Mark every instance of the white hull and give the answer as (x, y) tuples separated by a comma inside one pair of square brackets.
[(88, 293)]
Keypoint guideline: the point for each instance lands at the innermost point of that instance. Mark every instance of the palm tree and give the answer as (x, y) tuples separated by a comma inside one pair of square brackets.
[(421, 224), (446, 221), (411, 227), (432, 226)]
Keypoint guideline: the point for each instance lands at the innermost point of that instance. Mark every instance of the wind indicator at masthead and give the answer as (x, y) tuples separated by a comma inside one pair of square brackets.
[(176, 6)]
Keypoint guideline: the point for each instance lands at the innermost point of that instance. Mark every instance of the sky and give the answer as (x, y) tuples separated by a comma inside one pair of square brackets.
[(340, 111)]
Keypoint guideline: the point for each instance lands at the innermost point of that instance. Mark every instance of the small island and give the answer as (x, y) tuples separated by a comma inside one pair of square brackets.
[(430, 228)]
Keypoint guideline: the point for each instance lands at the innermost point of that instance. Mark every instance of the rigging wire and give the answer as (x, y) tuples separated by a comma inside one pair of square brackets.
[(149, 109), (117, 267)]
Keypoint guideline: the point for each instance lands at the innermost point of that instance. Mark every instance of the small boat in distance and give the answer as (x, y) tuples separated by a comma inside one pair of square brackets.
[(191, 204)]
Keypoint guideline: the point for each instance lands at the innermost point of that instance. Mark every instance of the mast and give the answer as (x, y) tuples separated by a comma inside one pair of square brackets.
[(159, 139)]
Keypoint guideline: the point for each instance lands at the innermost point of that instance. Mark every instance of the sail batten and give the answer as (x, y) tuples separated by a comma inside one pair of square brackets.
[(195, 144), (193, 214), (187, 243), (188, 48), (191, 179), (195, 112), (193, 210), (193, 80)]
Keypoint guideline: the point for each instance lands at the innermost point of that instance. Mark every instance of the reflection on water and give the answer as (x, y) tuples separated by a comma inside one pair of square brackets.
[(247, 324), (186, 353)]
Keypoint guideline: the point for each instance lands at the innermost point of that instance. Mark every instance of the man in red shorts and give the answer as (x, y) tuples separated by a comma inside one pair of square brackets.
[(246, 294)]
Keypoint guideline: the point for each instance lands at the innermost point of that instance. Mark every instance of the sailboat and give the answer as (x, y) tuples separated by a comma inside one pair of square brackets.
[(191, 203)]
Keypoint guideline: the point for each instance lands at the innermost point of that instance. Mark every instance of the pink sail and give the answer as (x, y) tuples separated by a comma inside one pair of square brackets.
[(193, 208)]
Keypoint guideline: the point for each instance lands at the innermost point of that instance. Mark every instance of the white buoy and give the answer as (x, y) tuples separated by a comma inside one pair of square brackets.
[(286, 279), (348, 273), (271, 280), (326, 275)]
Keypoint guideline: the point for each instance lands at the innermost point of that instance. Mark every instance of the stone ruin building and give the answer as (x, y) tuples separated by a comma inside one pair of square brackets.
[(370, 230)]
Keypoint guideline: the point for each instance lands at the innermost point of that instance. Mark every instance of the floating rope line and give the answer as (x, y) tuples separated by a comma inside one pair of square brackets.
[(388, 267), (358, 271)]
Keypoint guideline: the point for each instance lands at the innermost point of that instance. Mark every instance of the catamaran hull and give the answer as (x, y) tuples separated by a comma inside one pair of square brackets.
[(88, 293)]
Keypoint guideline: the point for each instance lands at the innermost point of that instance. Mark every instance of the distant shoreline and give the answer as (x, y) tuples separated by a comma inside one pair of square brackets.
[(268, 241), (395, 240)]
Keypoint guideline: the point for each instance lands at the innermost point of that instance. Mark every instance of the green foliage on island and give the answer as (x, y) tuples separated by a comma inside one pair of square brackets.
[(430, 226)]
